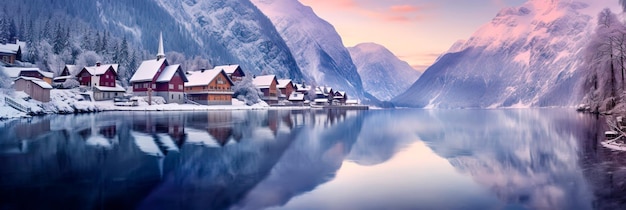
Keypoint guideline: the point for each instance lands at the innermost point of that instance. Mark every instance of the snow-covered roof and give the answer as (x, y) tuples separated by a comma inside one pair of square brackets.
[(264, 81), (302, 87), (320, 100), (9, 48), (340, 94), (229, 69), (147, 70), (14, 72), (117, 88), (72, 69), (168, 73), (352, 101), (282, 83), (63, 77), (37, 81), (295, 96), (202, 78), (100, 70)]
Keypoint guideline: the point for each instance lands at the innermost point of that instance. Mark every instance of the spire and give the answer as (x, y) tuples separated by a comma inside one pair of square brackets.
[(160, 53)]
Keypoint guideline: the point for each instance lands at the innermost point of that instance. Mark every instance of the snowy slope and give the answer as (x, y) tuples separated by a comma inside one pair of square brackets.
[(316, 45), (383, 74), (235, 31), (526, 56)]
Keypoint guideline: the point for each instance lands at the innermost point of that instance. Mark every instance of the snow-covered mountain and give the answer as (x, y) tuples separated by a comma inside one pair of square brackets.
[(237, 32), (526, 56), (315, 44), (383, 74)]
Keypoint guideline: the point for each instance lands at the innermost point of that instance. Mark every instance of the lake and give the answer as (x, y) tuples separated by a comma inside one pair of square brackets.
[(311, 159)]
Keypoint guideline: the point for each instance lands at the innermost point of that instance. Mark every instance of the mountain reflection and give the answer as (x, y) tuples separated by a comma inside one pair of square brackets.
[(528, 159), (524, 159)]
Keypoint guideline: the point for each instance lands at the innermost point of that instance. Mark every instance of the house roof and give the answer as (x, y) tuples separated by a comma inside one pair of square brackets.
[(37, 81), (202, 78), (147, 70), (264, 81), (100, 70), (169, 72), (72, 69), (302, 87), (282, 83), (14, 72), (9, 48), (117, 88), (229, 69), (295, 96)]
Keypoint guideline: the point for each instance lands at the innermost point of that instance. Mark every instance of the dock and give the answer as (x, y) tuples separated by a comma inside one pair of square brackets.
[(350, 107)]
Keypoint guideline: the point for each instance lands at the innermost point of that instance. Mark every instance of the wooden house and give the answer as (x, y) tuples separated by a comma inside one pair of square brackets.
[(15, 72), (68, 72), (36, 88), (99, 75), (103, 80), (340, 97), (268, 85), (233, 71), (11, 52), (285, 86), (209, 87), (159, 78)]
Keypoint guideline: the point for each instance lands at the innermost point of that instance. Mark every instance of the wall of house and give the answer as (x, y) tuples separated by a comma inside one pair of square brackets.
[(237, 75), (101, 96), (8, 58), (108, 78), (84, 78)]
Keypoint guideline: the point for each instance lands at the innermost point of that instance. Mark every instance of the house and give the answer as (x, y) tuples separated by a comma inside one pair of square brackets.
[(209, 87), (15, 72), (340, 97), (296, 97), (233, 71), (68, 72), (11, 52), (324, 92), (268, 85), (36, 88), (159, 78), (285, 86), (302, 88), (102, 78), (98, 75)]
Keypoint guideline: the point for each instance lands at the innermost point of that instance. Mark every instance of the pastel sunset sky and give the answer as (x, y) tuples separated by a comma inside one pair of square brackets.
[(417, 31)]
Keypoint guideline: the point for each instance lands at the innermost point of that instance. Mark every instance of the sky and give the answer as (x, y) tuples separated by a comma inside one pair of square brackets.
[(417, 31)]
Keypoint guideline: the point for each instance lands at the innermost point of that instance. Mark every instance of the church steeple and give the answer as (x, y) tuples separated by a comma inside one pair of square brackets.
[(160, 53)]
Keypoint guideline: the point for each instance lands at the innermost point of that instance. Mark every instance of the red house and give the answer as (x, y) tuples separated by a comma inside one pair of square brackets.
[(159, 78), (98, 75), (267, 85)]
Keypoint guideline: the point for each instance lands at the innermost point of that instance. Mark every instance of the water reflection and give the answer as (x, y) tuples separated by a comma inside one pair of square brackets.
[(475, 159)]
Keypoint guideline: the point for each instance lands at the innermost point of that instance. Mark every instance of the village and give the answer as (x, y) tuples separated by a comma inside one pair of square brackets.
[(158, 82)]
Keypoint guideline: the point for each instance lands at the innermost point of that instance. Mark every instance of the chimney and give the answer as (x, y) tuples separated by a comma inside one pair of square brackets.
[(98, 63), (202, 70)]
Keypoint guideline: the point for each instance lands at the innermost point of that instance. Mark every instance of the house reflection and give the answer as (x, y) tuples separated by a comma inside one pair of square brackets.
[(32, 128)]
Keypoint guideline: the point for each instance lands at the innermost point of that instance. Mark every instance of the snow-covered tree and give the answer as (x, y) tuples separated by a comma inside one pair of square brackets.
[(247, 92), (70, 83)]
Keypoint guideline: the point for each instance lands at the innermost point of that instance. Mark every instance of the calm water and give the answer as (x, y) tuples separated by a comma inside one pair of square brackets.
[(379, 159)]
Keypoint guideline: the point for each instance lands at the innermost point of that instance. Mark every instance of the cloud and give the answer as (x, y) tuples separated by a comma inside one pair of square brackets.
[(405, 8), (403, 13)]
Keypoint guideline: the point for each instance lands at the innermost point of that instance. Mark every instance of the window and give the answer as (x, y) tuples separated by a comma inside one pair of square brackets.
[(172, 96), (153, 86), (171, 86), (220, 80), (180, 87)]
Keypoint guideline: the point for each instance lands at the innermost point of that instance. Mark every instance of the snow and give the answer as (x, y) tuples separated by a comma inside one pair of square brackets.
[(117, 88), (282, 83), (526, 56), (229, 69), (200, 137), (100, 70), (295, 96), (98, 141), (147, 70), (168, 73), (37, 81), (264, 81), (201, 78), (9, 48), (14, 72)]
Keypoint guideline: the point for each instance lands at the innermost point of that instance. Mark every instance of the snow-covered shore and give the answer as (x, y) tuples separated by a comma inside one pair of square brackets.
[(71, 101)]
